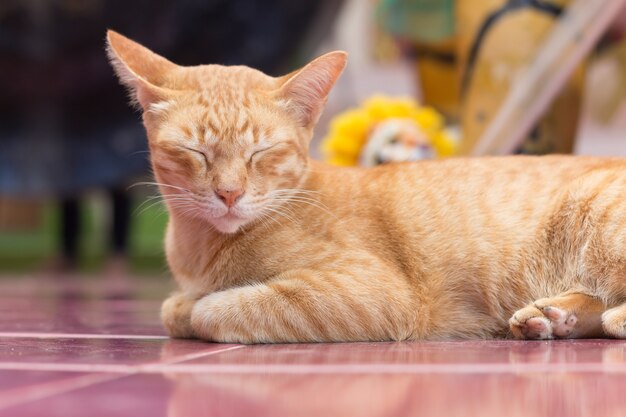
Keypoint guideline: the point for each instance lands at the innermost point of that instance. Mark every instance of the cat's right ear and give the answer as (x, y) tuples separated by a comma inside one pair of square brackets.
[(143, 72)]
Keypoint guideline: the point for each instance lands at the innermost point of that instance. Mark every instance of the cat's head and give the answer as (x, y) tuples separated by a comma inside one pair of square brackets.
[(229, 144)]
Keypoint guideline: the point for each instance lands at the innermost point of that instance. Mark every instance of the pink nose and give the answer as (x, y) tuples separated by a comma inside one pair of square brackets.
[(229, 197)]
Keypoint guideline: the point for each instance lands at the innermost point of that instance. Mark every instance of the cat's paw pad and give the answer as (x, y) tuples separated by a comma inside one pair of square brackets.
[(563, 323), (539, 321), (530, 323)]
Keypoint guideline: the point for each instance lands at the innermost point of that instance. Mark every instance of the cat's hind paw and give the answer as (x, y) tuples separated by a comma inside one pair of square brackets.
[(542, 321), (569, 315)]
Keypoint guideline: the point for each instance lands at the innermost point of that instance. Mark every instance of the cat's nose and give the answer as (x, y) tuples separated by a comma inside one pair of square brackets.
[(229, 197)]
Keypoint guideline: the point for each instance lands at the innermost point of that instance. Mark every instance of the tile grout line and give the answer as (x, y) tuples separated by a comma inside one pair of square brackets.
[(35, 392), (67, 367), (187, 357), (27, 335), (419, 369), (448, 369), (110, 368), (98, 374)]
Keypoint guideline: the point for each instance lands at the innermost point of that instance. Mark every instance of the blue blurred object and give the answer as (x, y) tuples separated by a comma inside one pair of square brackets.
[(64, 121)]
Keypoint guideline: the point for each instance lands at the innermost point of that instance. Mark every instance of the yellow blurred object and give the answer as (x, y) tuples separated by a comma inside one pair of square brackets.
[(506, 48), (350, 131), (437, 72), (444, 144)]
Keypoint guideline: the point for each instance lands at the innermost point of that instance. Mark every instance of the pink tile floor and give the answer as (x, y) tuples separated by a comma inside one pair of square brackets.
[(78, 348)]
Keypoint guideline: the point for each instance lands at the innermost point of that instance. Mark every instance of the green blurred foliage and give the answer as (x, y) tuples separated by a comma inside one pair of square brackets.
[(27, 251)]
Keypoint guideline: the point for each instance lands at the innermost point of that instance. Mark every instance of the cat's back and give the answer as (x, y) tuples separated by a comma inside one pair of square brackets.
[(458, 201), (468, 179), (442, 224)]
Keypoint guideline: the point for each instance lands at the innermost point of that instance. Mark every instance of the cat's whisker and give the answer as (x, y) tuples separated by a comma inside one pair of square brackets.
[(146, 201), (312, 203), (267, 215), (181, 204), (289, 212), (181, 198), (171, 200), (157, 184), (269, 220), (292, 191), (161, 213), (139, 153), (186, 209), (283, 196), (295, 193), (151, 197), (305, 197), (167, 195), (154, 203), (160, 197), (151, 205), (282, 214), (298, 198), (263, 219)]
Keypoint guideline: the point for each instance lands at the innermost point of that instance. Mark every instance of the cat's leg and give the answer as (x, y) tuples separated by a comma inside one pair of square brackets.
[(614, 322), (306, 306), (569, 315), (176, 315)]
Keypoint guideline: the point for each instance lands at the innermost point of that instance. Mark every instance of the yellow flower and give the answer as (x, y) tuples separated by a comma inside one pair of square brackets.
[(377, 108), (444, 144), (402, 108), (429, 119), (351, 123), (342, 161), (349, 130), (342, 144)]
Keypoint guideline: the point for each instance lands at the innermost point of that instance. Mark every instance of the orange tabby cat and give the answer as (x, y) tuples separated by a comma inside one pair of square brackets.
[(269, 246)]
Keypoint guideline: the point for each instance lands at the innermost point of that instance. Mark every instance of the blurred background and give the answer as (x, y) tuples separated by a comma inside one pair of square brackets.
[(442, 77)]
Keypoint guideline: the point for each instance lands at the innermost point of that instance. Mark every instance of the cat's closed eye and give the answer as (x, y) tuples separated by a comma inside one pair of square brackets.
[(260, 152), (203, 155)]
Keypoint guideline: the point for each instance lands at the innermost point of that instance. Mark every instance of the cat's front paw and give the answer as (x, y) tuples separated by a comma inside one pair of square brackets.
[(614, 322), (176, 316), (541, 320)]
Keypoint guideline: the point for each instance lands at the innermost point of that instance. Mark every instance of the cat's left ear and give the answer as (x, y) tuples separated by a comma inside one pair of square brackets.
[(145, 73), (304, 92)]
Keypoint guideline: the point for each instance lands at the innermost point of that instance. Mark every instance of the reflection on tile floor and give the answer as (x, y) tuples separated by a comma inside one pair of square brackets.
[(77, 349), (74, 315), (96, 353)]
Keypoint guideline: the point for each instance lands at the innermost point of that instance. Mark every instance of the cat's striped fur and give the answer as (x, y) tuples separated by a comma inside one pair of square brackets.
[(269, 246)]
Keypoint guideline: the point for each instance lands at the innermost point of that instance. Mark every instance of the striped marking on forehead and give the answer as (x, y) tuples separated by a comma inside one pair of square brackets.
[(237, 127), (185, 133), (226, 98), (203, 134)]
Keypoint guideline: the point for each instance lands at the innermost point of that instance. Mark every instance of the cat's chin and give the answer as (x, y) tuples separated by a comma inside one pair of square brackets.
[(228, 224)]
